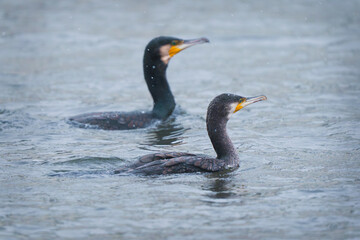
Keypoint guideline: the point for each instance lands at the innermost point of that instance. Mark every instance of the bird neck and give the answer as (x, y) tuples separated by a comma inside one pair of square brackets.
[(155, 77), (221, 142)]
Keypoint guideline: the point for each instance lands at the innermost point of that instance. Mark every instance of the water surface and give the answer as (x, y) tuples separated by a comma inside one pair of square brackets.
[(299, 174)]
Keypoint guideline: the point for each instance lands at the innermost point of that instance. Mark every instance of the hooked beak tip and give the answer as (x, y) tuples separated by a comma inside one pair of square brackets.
[(205, 40)]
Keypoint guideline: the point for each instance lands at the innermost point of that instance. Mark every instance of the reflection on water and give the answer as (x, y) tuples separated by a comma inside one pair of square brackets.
[(168, 132), (220, 185)]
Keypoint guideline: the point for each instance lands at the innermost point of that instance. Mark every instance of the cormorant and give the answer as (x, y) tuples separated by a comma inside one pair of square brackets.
[(219, 111), (157, 55)]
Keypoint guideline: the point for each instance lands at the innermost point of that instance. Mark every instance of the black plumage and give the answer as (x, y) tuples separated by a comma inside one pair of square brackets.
[(157, 55), (218, 114)]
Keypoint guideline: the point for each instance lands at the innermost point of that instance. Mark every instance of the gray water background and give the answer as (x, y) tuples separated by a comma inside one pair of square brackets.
[(299, 151)]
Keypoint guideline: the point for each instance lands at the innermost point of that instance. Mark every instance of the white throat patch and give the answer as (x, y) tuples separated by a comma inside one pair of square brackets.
[(232, 109), (164, 53)]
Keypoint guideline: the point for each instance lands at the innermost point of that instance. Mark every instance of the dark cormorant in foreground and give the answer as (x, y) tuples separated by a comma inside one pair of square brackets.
[(219, 111), (157, 55)]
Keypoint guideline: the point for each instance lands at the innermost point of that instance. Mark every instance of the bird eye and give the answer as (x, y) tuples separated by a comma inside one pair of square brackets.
[(242, 100), (173, 43)]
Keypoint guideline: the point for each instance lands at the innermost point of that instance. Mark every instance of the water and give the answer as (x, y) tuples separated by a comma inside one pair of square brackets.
[(299, 174)]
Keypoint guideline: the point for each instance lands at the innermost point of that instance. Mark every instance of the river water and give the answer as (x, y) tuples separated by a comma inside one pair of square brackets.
[(299, 151)]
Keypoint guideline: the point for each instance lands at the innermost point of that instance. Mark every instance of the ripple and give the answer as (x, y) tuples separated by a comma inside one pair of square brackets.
[(14, 119), (169, 132), (91, 161)]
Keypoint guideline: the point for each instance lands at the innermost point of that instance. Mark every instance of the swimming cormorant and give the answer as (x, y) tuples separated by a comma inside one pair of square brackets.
[(219, 111), (157, 55)]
